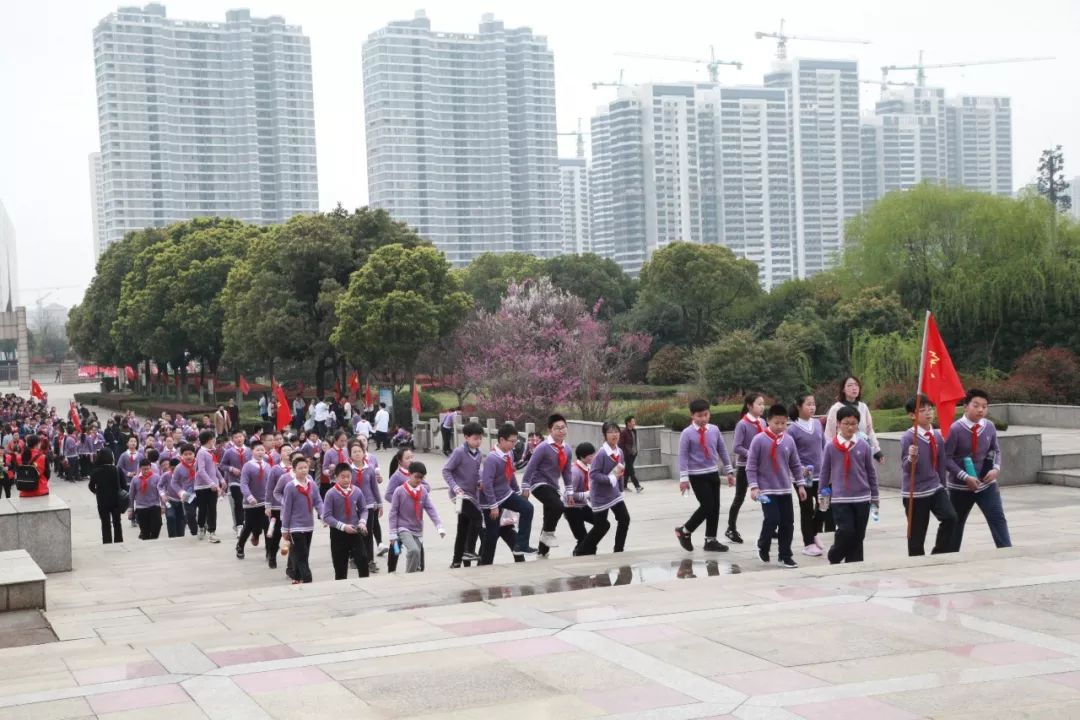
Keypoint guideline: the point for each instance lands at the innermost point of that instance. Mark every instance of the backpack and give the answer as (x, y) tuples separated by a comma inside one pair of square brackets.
[(26, 478)]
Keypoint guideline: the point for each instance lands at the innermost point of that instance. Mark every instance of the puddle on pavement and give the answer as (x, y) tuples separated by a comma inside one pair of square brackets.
[(624, 575)]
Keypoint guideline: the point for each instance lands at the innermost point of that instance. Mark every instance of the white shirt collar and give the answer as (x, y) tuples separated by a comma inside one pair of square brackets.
[(551, 441), (611, 452), (806, 425), (968, 424), (297, 483), (926, 434), (847, 443), (499, 453)]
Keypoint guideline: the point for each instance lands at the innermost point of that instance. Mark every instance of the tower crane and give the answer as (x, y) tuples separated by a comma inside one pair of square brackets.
[(609, 83), (782, 39), (886, 85), (920, 68), (580, 134), (712, 64)]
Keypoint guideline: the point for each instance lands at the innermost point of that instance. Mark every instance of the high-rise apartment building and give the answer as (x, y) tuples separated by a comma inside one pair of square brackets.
[(980, 143), (461, 136), (97, 202), (617, 187), (826, 161), (203, 118), (574, 206), (905, 142), (9, 268)]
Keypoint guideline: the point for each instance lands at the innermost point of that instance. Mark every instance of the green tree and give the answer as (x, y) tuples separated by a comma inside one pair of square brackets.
[(401, 301), (486, 278), (594, 279), (740, 362), (1051, 183), (701, 282)]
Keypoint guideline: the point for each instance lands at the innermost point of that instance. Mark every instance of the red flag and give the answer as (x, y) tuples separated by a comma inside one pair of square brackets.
[(284, 414), (36, 391), (354, 382), (74, 415), (369, 398), (416, 398), (129, 373), (337, 390), (244, 387), (940, 382)]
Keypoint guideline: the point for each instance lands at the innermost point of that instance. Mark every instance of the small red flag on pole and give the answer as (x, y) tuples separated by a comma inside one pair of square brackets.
[(284, 414), (938, 379), (74, 415), (36, 391), (129, 373), (369, 398), (416, 398), (243, 385), (354, 382)]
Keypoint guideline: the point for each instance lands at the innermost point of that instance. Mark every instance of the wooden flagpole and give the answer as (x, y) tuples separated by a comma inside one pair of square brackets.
[(915, 424)]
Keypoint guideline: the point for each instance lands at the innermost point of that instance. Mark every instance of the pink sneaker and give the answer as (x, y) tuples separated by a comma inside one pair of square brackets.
[(812, 551), (819, 541)]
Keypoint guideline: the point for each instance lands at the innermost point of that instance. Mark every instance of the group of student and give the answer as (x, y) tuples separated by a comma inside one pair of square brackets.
[(832, 468)]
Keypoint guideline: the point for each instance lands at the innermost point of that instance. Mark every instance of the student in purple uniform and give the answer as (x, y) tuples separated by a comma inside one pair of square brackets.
[(406, 522), (174, 505), (547, 473), (578, 512), (232, 463), (772, 461), (69, 446), (930, 494), (974, 438), (145, 501), (702, 455), (399, 475), (849, 484), (462, 475), (168, 448), (335, 456), (365, 477), (300, 499), (343, 511), (605, 486), (500, 492), (183, 480), (85, 452), (280, 474), (749, 426), (809, 437), (253, 481), (208, 486), (128, 462)]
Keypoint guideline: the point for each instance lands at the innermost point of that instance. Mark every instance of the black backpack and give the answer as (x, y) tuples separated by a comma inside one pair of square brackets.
[(26, 478)]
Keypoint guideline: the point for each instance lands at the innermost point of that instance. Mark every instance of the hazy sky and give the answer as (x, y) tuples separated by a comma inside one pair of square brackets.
[(48, 109)]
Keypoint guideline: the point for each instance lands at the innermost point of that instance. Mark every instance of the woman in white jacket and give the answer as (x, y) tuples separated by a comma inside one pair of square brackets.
[(851, 395)]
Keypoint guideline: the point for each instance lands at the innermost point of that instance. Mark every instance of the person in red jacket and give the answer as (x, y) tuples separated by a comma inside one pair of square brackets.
[(32, 455)]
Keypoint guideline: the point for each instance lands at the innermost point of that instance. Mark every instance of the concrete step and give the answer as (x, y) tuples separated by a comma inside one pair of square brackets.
[(1066, 477), (650, 456), (652, 472), (1061, 461), (22, 583)]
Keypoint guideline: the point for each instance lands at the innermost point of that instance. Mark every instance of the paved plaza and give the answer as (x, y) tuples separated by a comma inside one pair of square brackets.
[(183, 628)]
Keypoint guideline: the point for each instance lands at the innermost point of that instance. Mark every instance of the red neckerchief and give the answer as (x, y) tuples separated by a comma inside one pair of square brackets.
[(974, 440), (416, 495), (839, 445), (348, 500), (775, 444), (190, 469), (615, 458), (756, 424), (144, 480), (933, 448), (262, 471), (508, 469), (701, 439), (562, 456), (305, 490)]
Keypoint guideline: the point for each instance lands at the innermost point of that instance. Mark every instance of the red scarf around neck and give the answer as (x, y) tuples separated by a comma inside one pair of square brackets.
[(417, 495)]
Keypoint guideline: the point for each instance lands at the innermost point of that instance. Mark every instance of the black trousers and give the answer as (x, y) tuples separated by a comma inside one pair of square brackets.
[(737, 501), (344, 546), (84, 466), (576, 518), (191, 510), (942, 509), (778, 516), (174, 519), (112, 527), (273, 539), (811, 521), (382, 440), (469, 522), (149, 519), (206, 499), (299, 554), (517, 504), (374, 533), (255, 522), (237, 505), (71, 472), (553, 510), (707, 491), (447, 440), (629, 476), (851, 519), (622, 517), (5, 486)]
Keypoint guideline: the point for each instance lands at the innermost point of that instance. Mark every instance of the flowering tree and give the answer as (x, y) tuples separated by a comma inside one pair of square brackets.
[(542, 349)]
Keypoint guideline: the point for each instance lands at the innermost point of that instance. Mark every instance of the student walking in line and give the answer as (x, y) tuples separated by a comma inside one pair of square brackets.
[(749, 426), (849, 485), (702, 455), (926, 453), (406, 522), (771, 464), (974, 461)]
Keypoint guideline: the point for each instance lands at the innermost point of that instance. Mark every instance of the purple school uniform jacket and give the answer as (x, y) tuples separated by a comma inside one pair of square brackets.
[(206, 473), (929, 467), (697, 460), (987, 455), (144, 494), (544, 469), (166, 489), (398, 479), (462, 471), (277, 494), (129, 464), (496, 487), (183, 478), (337, 513), (71, 447), (232, 463), (578, 488), (403, 514), (366, 480), (331, 458), (810, 442), (253, 480), (604, 488), (297, 508), (745, 432), (852, 482), (772, 473)]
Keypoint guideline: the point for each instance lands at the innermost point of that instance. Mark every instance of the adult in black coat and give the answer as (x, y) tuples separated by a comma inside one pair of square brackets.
[(107, 482)]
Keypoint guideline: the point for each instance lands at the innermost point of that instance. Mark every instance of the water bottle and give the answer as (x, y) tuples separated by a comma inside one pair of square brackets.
[(764, 499), (875, 513), (824, 499), (969, 467)]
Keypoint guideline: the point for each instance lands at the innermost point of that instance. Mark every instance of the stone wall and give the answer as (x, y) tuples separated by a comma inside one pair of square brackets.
[(1065, 417)]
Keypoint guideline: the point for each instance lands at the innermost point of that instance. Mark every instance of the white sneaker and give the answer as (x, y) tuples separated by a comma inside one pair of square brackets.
[(549, 539), (819, 540), (812, 550), (213, 538), (239, 529)]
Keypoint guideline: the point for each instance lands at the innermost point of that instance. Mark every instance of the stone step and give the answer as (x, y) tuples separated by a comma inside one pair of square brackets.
[(652, 472), (650, 456), (22, 583), (1066, 477), (1061, 461)]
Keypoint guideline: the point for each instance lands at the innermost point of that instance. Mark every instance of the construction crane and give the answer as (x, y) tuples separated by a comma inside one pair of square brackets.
[(580, 134), (920, 68), (712, 64), (782, 39), (609, 83), (886, 85)]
